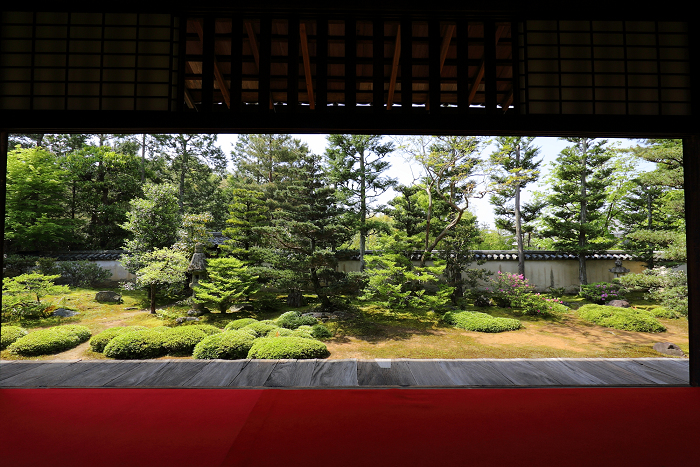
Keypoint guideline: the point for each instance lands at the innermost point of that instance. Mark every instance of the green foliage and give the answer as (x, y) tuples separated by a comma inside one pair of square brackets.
[(260, 328), (239, 323), (248, 211), (162, 268), (136, 345), (538, 305), (35, 202), (480, 322), (627, 319), (228, 345), (508, 290), (182, 340), (287, 347), (22, 295), (14, 265), (661, 284), (154, 219), (207, 329), (50, 340), (320, 331), (9, 334), (661, 312), (601, 293), (82, 273), (193, 230), (228, 280), (100, 341), (293, 319)]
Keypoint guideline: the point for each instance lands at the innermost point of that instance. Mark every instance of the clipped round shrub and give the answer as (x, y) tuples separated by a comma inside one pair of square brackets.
[(480, 322), (9, 334), (288, 347), (239, 323), (661, 312), (261, 328), (626, 319), (136, 345), (293, 319), (280, 332), (50, 340), (227, 345), (319, 331), (182, 340), (100, 341), (208, 329)]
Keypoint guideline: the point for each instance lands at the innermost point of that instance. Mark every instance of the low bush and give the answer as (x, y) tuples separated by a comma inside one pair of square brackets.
[(136, 345), (601, 292), (182, 340), (508, 289), (293, 319), (208, 329), (661, 312), (626, 319), (239, 323), (100, 341), (538, 305), (261, 328), (319, 331), (50, 340), (282, 332), (81, 273), (666, 285), (228, 345), (288, 347), (480, 322), (9, 334)]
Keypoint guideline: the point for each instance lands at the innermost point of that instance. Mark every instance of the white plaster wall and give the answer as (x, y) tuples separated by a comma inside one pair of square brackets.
[(119, 274)]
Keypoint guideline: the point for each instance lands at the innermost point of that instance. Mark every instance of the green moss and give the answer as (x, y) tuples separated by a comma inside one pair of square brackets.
[(626, 319), (51, 340), (136, 345), (480, 322), (9, 334), (100, 341), (228, 345), (239, 323), (182, 340), (288, 347)]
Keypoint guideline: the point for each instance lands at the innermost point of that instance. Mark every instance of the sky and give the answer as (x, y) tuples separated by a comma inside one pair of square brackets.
[(402, 169)]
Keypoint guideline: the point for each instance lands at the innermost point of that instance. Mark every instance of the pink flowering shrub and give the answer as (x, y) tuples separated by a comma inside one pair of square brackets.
[(539, 305), (601, 292), (508, 289)]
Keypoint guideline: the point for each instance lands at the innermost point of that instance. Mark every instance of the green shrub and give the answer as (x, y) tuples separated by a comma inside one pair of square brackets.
[(50, 340), (508, 289), (293, 319), (9, 334), (136, 345), (281, 332), (288, 347), (538, 305), (228, 345), (320, 331), (239, 323), (626, 319), (14, 265), (100, 341), (661, 312), (261, 328), (664, 284), (480, 322), (208, 329), (81, 273), (182, 340), (601, 292)]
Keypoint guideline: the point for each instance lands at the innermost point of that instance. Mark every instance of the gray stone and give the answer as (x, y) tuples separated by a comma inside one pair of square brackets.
[(131, 308), (183, 319), (108, 296), (195, 312), (64, 313), (667, 348), (619, 303)]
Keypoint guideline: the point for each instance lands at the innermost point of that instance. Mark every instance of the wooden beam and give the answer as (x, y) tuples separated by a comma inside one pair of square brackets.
[(253, 41), (446, 45), (482, 69), (691, 170), (394, 69), (217, 72), (293, 40), (507, 101), (307, 64), (407, 64), (188, 99), (378, 64)]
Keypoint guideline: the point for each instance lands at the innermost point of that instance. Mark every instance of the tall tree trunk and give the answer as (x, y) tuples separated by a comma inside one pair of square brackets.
[(518, 221), (363, 210), (143, 158), (582, 277), (153, 299)]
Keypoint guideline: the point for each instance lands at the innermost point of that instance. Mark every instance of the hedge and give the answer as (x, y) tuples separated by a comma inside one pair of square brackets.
[(288, 347), (261, 328), (136, 345), (480, 322), (182, 340), (239, 323), (208, 329), (228, 345), (51, 340), (100, 341), (9, 334), (293, 319), (626, 319)]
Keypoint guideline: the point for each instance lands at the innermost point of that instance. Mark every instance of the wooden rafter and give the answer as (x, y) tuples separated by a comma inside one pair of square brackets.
[(446, 45), (482, 69), (307, 64), (254, 50), (188, 100), (217, 72), (394, 69), (507, 100)]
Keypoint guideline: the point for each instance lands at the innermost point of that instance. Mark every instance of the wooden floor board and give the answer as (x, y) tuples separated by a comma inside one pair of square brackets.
[(648, 372), (254, 374), (135, 376), (607, 374), (428, 373), (390, 373), (566, 375), (174, 374), (670, 366), (35, 372), (12, 368), (523, 373), (473, 373), (291, 373), (335, 373), (98, 374), (219, 373)]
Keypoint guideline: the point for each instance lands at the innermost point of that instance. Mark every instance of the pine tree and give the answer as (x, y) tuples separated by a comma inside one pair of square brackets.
[(515, 166), (579, 179), (248, 212)]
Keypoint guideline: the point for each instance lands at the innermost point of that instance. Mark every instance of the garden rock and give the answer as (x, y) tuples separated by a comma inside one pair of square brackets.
[(64, 313), (183, 319), (619, 303), (195, 312), (108, 296), (322, 316), (668, 348)]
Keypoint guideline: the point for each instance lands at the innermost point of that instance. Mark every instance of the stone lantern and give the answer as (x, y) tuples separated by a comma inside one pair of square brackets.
[(198, 269), (618, 270)]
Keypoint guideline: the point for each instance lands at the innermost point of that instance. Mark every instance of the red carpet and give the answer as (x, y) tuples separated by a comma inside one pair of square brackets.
[(360, 427)]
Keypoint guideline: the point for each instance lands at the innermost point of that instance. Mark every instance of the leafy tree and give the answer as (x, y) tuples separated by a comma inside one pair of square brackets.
[(35, 201), (248, 212), (33, 284), (266, 159), (357, 163), (227, 281), (515, 165), (579, 179), (193, 230), (162, 267)]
